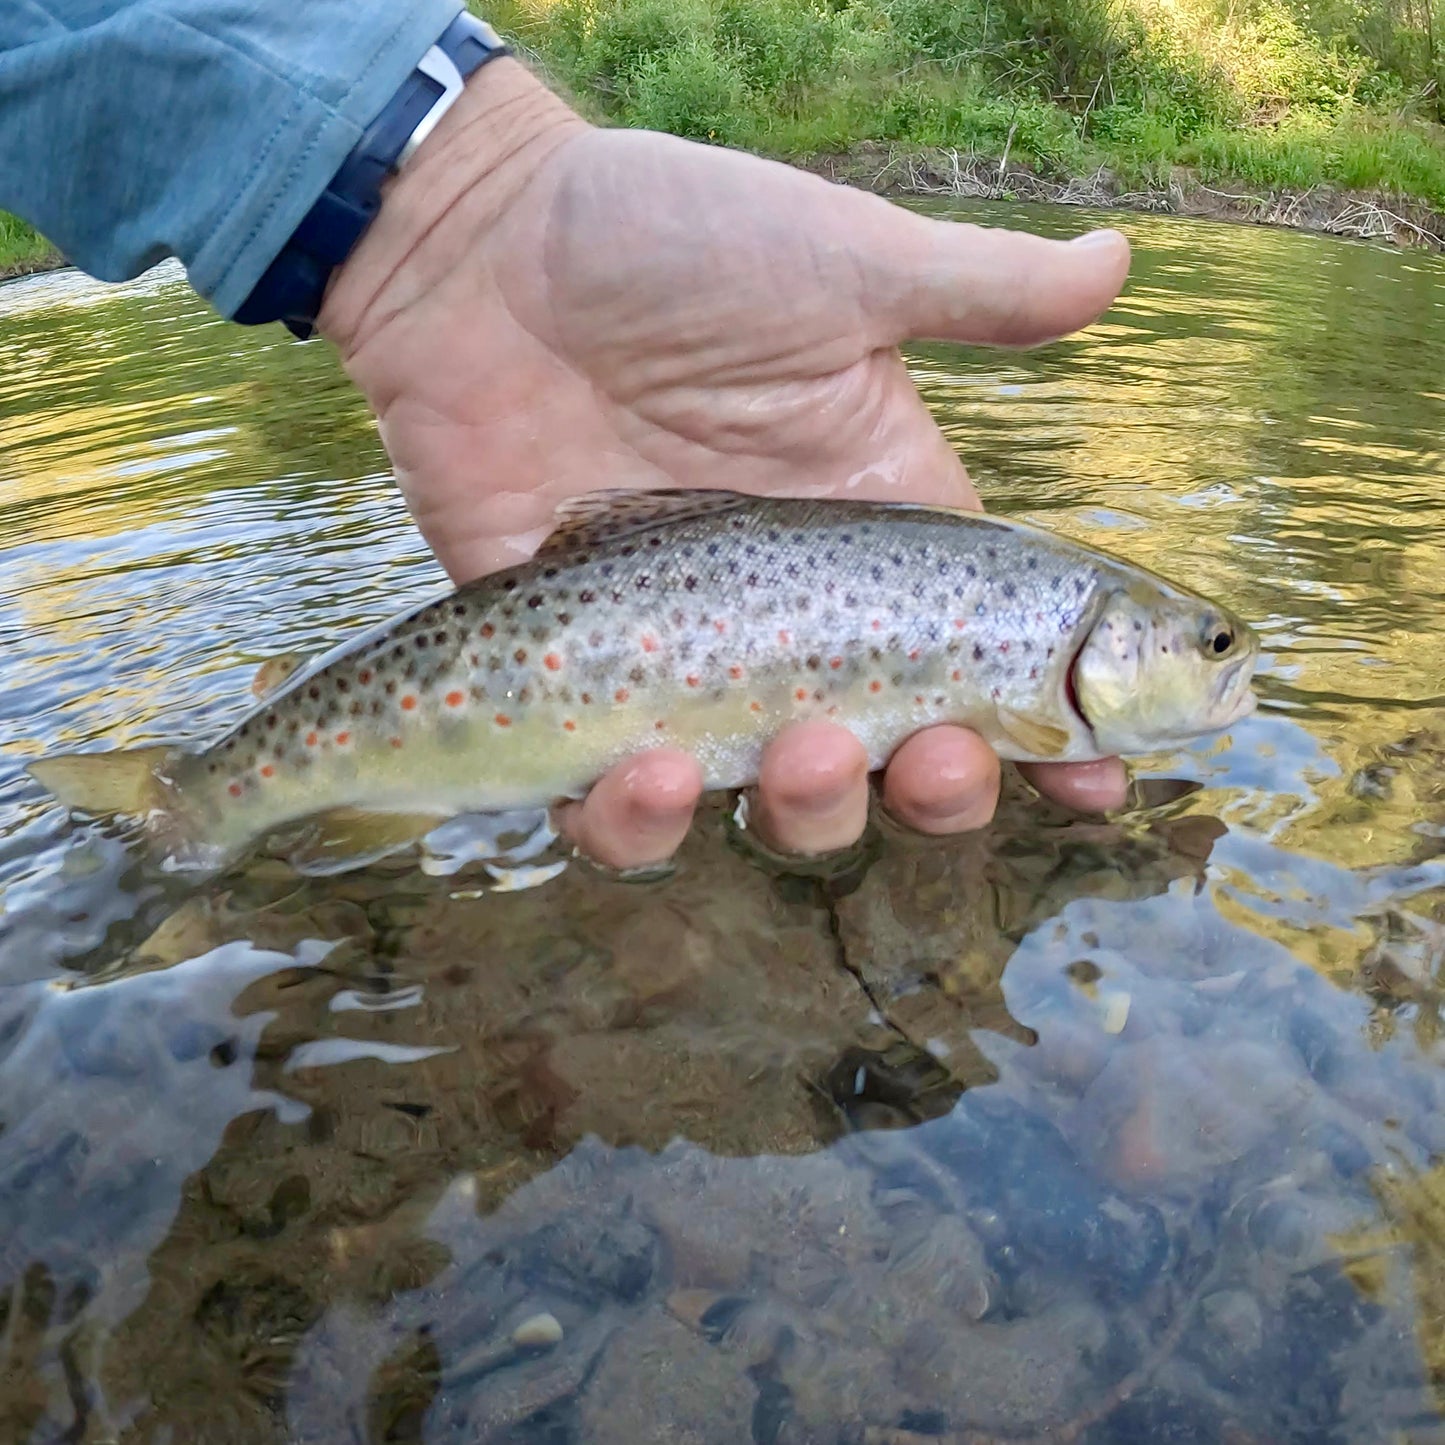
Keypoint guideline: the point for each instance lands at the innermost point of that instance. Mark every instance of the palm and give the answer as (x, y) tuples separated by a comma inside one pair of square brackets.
[(700, 319)]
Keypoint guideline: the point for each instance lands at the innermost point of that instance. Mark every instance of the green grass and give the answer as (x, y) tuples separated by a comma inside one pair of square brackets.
[(22, 249), (1267, 93)]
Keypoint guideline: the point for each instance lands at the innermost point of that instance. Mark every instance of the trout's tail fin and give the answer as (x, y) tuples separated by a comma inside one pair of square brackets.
[(120, 784)]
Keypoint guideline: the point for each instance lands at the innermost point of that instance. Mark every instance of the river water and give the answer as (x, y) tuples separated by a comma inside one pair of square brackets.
[(1073, 1130)]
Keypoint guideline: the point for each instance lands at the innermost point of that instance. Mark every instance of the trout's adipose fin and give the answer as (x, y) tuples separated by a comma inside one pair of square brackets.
[(274, 671)]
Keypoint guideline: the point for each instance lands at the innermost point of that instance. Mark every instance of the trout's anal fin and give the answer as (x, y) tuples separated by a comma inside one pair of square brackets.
[(344, 838)]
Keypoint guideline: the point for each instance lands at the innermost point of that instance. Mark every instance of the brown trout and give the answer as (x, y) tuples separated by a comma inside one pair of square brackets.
[(706, 621)]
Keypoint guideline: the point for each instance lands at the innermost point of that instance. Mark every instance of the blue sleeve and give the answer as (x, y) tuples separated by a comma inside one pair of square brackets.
[(132, 130)]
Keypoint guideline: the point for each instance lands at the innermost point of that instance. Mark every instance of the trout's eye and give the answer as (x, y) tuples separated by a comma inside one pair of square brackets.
[(1218, 640)]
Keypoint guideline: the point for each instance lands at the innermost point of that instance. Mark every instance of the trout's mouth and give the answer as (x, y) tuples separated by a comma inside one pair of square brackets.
[(1236, 696)]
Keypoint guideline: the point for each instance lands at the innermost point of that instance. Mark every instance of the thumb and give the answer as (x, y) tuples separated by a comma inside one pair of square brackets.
[(952, 281)]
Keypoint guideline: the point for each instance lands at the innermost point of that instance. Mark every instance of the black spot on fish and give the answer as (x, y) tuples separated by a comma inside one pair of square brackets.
[(459, 609), (535, 600), (586, 597), (977, 653), (549, 573), (313, 693), (637, 675), (1009, 589)]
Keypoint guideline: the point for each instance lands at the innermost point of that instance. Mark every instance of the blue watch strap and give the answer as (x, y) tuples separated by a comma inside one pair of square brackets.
[(293, 285)]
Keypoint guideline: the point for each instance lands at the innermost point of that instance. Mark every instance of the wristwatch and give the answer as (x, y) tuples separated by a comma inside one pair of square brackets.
[(294, 283)]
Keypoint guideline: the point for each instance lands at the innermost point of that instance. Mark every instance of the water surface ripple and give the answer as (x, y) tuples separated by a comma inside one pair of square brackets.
[(1071, 1130)]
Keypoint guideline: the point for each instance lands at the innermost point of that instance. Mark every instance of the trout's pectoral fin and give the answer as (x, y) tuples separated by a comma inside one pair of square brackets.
[(1038, 739), (124, 784), (344, 838)]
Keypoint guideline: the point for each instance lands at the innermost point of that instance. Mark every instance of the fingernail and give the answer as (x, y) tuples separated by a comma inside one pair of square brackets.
[(1106, 237)]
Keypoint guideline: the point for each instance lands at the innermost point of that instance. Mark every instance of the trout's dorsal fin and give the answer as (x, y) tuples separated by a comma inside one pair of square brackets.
[(124, 784), (600, 516), (274, 671)]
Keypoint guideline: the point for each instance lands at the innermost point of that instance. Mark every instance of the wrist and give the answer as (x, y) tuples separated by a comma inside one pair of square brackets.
[(461, 181)]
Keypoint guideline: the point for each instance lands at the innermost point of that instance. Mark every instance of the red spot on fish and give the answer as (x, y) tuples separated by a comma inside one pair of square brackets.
[(396, 742), (1003, 647), (833, 711), (364, 676), (485, 630), (801, 694), (692, 679), (735, 671), (456, 699), (959, 624), (649, 644), (784, 636), (502, 720), (659, 725), (756, 706), (958, 674), (267, 771), (408, 702), (554, 663), (234, 790), (835, 662), (586, 698), (570, 726), (311, 740), (1033, 673), (620, 695), (877, 625), (342, 739), (875, 686), (721, 626), (914, 655), (918, 698)]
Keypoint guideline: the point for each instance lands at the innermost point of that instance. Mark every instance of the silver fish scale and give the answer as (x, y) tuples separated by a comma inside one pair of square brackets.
[(709, 632)]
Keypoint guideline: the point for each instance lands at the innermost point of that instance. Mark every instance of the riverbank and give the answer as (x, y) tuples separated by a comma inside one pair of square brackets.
[(897, 172), (1375, 215)]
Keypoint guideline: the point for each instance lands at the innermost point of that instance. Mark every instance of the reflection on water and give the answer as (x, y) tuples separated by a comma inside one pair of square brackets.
[(1070, 1130)]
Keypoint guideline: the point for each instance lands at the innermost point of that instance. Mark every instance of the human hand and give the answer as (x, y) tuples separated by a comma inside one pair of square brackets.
[(543, 308)]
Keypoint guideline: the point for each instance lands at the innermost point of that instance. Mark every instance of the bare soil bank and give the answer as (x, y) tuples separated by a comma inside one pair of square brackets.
[(1373, 215)]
